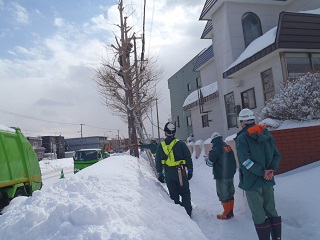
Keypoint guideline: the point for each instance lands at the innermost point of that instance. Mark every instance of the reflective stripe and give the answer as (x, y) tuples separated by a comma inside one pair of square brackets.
[(247, 163), (167, 149)]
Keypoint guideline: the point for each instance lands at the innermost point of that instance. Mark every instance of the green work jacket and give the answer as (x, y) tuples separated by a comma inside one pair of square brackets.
[(257, 144), (180, 152), (223, 161)]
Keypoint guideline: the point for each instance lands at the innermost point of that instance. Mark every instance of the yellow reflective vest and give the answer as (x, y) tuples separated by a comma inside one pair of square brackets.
[(171, 161)]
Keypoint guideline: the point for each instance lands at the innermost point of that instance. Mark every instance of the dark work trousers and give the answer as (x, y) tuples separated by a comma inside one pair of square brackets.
[(262, 204), (175, 190), (225, 189)]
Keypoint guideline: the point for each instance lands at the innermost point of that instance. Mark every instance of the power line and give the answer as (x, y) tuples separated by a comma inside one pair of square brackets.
[(43, 120), (152, 17), (33, 118)]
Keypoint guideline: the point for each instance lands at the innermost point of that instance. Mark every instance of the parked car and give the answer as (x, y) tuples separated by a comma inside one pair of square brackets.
[(86, 157)]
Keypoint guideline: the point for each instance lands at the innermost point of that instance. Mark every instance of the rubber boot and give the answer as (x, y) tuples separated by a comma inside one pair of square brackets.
[(264, 230), (224, 215), (275, 228), (230, 214)]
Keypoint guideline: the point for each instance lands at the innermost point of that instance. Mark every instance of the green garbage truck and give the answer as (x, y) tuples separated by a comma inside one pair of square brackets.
[(20, 173), (86, 157)]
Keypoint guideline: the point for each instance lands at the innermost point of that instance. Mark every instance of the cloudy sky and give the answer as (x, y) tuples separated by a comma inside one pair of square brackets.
[(50, 50)]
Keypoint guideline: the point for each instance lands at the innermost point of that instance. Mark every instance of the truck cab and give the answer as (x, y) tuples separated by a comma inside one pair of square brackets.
[(86, 157)]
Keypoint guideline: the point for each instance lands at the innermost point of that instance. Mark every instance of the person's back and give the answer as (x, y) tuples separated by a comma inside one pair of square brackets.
[(257, 144), (174, 159), (259, 158), (179, 149), (223, 163)]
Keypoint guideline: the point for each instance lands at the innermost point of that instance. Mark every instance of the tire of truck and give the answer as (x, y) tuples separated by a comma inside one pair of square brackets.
[(4, 200), (20, 192)]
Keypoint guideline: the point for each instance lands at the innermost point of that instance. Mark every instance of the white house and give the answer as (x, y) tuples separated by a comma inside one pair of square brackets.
[(257, 46)]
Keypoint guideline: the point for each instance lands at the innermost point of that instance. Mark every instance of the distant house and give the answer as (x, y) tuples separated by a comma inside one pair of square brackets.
[(257, 46), (181, 84), (54, 145), (203, 102), (36, 143)]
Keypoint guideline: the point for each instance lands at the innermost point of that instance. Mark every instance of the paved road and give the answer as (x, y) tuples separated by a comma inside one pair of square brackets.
[(51, 178)]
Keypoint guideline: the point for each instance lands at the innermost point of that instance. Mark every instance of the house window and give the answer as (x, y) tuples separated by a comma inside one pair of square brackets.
[(205, 120), (268, 84), (178, 122), (251, 26), (301, 63), (248, 99), (198, 80), (189, 123), (35, 144), (230, 110), (298, 64), (189, 87), (316, 62)]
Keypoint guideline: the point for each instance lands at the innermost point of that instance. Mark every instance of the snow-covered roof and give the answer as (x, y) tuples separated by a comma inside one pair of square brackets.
[(4, 128), (257, 45), (89, 149), (263, 42), (206, 91)]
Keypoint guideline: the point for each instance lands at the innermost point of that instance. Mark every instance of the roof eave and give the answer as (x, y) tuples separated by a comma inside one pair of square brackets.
[(208, 9), (207, 31), (206, 99), (250, 60), (204, 65), (284, 40)]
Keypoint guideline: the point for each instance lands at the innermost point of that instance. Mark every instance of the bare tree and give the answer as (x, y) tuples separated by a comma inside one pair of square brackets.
[(126, 84)]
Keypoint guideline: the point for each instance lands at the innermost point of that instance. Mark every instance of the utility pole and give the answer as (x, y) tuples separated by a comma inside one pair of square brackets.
[(143, 34), (81, 124), (118, 141), (158, 121), (152, 124)]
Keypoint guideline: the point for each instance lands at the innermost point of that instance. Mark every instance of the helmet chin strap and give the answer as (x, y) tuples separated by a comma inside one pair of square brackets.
[(169, 134), (247, 122)]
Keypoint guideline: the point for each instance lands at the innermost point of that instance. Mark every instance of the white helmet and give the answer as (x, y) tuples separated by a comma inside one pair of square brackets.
[(246, 114), (215, 135), (170, 129)]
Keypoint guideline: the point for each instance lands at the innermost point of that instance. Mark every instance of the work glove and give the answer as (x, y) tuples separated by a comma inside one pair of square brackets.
[(190, 173), (208, 162), (161, 177)]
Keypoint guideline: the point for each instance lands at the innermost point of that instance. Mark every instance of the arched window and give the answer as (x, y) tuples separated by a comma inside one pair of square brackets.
[(251, 27)]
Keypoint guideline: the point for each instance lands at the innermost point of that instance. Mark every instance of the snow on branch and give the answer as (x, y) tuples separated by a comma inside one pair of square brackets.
[(298, 100)]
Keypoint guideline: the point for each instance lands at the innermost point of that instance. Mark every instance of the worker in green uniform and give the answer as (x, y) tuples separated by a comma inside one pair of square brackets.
[(223, 163), (174, 165), (259, 158)]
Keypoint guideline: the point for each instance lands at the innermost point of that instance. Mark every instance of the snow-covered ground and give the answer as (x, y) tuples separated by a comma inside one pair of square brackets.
[(120, 198)]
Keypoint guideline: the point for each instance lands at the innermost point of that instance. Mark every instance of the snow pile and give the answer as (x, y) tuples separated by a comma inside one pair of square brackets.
[(119, 198)]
